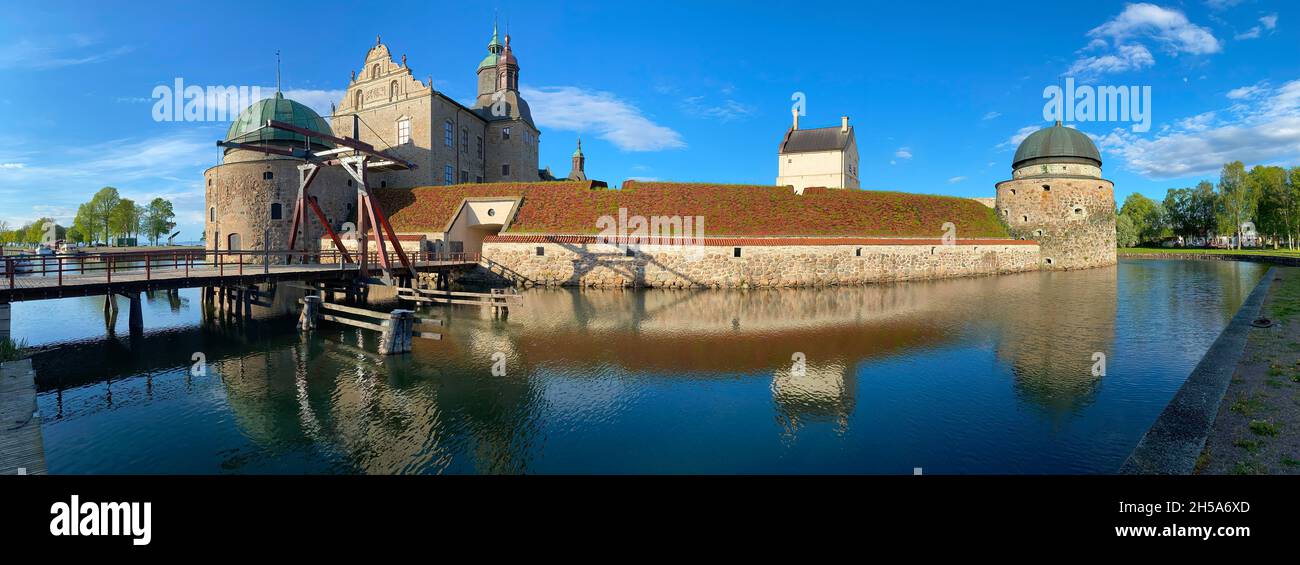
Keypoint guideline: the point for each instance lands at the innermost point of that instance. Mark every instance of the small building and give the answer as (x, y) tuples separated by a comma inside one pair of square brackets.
[(825, 157)]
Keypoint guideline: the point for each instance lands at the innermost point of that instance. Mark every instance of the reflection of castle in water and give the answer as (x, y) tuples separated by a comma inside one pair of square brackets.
[(436, 411), (417, 413)]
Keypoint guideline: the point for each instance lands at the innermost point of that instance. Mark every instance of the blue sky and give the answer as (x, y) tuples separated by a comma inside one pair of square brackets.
[(939, 92)]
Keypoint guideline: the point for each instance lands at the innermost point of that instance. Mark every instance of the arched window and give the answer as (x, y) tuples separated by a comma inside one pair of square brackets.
[(212, 214), (268, 175), (277, 211)]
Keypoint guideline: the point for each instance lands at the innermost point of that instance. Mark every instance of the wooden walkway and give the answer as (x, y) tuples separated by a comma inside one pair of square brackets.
[(40, 287), (21, 448)]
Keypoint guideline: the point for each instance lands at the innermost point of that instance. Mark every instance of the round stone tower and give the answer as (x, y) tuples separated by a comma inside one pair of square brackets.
[(1056, 196), (251, 195)]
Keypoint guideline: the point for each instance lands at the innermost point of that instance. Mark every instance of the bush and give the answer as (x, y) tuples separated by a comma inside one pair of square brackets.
[(11, 350)]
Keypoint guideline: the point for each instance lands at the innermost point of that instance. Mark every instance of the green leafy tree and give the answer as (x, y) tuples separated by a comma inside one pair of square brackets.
[(1146, 216), (1237, 200), (1277, 211), (1125, 234), (124, 219), (158, 219), (85, 222), (101, 207), (1202, 210)]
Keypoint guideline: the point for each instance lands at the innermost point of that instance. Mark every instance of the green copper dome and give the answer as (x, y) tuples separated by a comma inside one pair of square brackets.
[(1057, 144), (494, 50), (245, 128)]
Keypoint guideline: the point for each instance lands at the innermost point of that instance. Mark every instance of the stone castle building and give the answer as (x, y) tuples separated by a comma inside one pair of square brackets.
[(1057, 197), (826, 157), (251, 194)]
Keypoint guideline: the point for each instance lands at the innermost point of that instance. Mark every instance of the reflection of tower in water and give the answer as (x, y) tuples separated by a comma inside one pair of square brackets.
[(1058, 322)]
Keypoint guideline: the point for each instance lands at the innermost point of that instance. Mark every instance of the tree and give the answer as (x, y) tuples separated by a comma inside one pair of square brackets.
[(1177, 209), (101, 206), (158, 219), (85, 222), (123, 220), (1277, 210), (75, 235), (1125, 234), (1146, 217), (1237, 200), (1202, 210)]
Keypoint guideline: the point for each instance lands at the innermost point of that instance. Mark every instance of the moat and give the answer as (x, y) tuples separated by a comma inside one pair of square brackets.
[(976, 375)]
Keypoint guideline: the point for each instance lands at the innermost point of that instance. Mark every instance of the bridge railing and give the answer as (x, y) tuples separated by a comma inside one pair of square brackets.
[(60, 269)]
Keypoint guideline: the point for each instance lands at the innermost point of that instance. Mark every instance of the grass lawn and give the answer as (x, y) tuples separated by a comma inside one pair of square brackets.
[(1193, 250)]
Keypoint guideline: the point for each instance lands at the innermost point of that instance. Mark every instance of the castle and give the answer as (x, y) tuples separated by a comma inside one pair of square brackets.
[(477, 189), (495, 140)]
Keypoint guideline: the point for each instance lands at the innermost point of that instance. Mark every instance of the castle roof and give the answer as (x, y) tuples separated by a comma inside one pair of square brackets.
[(248, 127), (816, 140), (569, 208), (1056, 144)]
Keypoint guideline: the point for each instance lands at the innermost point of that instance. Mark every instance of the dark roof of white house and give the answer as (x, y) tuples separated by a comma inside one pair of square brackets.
[(815, 140)]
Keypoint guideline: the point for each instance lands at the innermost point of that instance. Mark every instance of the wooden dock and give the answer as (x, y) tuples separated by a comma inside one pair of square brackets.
[(22, 451)]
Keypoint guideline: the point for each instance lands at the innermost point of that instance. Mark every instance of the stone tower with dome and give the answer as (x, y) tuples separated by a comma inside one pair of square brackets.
[(1057, 197), (251, 194)]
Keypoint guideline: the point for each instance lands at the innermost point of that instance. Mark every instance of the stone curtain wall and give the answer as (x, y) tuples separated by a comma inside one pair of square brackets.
[(602, 265), (1073, 219)]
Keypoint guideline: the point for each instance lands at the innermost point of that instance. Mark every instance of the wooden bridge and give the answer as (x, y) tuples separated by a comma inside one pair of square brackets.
[(44, 277)]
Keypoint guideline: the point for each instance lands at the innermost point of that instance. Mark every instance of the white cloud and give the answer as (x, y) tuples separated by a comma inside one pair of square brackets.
[(903, 153), (1125, 58), (991, 115), (318, 100), (12, 165), (56, 53), (1266, 23), (1246, 92), (1126, 36), (955, 180), (724, 111), (569, 108), (1267, 128), (1221, 4), (1269, 22), (1252, 33), (1199, 122), (141, 169), (1020, 135)]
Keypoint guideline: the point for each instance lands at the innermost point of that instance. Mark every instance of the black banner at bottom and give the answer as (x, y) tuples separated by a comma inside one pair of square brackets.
[(148, 515)]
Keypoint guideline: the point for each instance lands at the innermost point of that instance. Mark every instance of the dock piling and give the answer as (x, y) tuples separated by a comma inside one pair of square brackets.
[(5, 321), (396, 337), (310, 313), (136, 320)]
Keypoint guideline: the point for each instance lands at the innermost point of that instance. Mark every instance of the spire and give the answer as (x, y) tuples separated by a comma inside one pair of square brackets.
[(377, 42), (494, 45), (578, 152), (277, 71)]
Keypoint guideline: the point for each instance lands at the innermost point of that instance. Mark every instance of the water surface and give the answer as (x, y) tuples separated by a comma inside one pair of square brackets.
[(980, 375)]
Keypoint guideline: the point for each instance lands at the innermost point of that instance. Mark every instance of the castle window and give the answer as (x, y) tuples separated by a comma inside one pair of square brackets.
[(277, 211), (209, 182), (464, 176), (1047, 187), (1024, 218), (541, 251), (382, 184), (505, 170), (464, 140), (630, 252), (212, 214), (480, 146), (447, 175), (735, 252), (1078, 211), (1013, 192), (403, 132), (268, 175), (1049, 260), (505, 134), (349, 182), (448, 134), (857, 252)]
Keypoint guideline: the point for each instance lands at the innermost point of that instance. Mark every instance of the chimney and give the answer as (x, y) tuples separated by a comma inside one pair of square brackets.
[(844, 124), (795, 111)]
